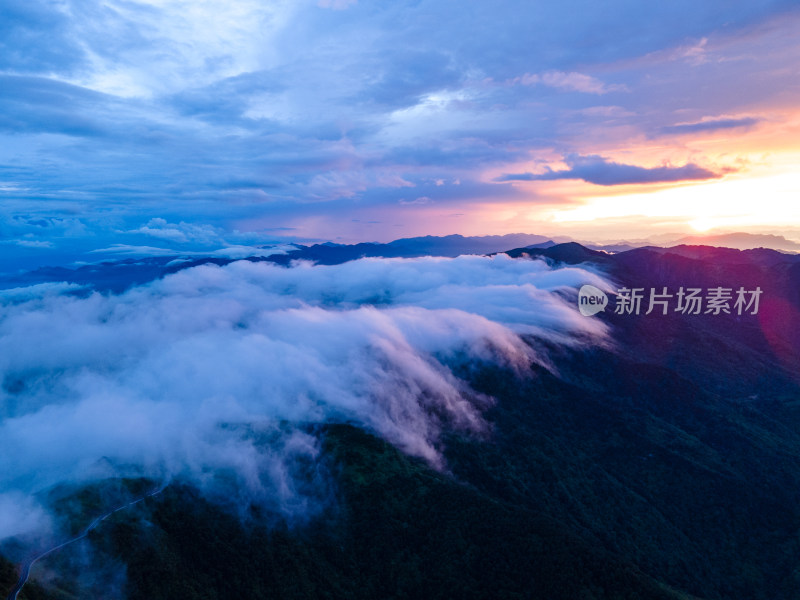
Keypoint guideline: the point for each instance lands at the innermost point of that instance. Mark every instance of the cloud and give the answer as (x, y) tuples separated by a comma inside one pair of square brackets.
[(414, 74), (710, 125), (420, 200), (129, 250), (179, 232), (37, 37), (39, 104), (601, 171), (336, 4), (37, 292), (228, 113), (228, 251), (28, 243), (573, 82), (20, 515), (219, 370)]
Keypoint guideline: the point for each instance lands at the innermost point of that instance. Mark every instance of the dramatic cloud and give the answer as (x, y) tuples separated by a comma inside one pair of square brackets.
[(314, 116), (601, 171), (219, 370)]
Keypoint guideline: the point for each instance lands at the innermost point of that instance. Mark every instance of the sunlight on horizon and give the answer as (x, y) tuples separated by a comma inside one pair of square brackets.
[(770, 200)]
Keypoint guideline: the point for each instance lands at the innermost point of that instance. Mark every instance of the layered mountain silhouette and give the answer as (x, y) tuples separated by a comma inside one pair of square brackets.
[(742, 241)]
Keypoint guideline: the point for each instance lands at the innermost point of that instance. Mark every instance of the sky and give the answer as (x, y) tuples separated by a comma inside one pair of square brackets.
[(140, 126)]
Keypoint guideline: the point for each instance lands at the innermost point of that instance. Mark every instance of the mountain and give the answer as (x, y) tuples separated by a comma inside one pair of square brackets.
[(448, 246), (117, 276), (761, 256), (612, 248), (731, 353), (663, 465), (570, 253), (454, 245), (741, 241)]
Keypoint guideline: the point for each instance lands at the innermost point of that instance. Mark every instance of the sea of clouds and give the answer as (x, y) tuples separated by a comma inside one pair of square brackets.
[(223, 369)]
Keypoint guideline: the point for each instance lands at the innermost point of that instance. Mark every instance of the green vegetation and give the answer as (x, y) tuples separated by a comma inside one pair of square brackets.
[(401, 531), (32, 591), (614, 480)]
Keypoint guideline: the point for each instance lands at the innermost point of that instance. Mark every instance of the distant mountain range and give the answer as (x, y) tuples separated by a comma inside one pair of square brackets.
[(142, 263), (118, 275), (739, 241), (742, 241)]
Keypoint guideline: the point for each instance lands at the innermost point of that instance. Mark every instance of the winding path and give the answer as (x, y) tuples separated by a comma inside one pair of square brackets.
[(26, 566)]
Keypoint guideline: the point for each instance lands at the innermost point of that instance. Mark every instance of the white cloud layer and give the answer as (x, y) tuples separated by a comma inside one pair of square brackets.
[(218, 369)]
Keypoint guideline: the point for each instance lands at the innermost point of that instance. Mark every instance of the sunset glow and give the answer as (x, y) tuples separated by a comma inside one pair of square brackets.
[(732, 203), (325, 121)]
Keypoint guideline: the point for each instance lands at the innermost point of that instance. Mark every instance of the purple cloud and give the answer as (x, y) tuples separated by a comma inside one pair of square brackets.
[(601, 171), (709, 125)]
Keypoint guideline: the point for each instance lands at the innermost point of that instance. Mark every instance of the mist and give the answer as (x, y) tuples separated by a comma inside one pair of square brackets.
[(221, 370)]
